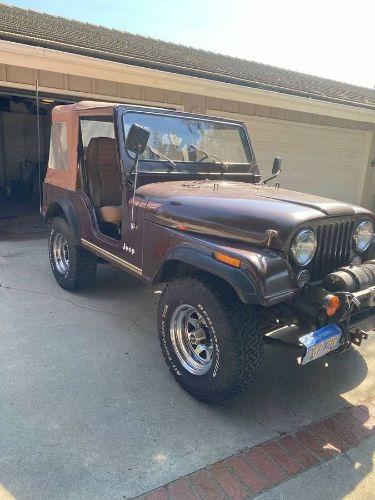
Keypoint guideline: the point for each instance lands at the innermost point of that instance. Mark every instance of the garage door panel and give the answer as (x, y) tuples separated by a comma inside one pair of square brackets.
[(328, 161), (318, 160), (266, 152), (297, 154)]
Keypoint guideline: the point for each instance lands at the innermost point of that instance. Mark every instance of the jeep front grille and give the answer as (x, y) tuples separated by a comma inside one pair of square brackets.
[(333, 249)]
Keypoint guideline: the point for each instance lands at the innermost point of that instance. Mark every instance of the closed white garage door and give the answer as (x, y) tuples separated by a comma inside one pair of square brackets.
[(327, 161)]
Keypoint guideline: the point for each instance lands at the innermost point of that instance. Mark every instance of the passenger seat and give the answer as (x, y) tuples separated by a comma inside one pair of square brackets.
[(104, 179)]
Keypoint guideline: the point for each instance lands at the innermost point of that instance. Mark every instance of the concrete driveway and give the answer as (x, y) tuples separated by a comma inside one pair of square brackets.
[(88, 408)]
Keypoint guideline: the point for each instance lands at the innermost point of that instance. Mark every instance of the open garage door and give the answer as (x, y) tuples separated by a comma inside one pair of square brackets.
[(327, 161), (19, 155)]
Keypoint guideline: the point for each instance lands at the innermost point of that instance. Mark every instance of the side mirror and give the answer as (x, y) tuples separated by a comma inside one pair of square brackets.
[(137, 139), (276, 167)]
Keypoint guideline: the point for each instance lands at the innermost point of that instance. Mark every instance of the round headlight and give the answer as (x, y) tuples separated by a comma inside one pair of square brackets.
[(303, 247), (363, 235)]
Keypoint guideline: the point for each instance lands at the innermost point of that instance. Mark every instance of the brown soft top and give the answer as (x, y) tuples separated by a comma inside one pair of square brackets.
[(64, 172), (81, 106)]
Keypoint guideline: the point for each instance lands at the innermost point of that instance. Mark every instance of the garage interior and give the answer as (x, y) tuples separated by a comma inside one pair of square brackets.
[(23, 159)]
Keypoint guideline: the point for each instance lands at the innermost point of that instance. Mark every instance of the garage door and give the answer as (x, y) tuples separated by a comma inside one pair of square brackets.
[(327, 161)]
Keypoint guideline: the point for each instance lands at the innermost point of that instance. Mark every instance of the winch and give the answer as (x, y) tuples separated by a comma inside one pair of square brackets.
[(352, 278)]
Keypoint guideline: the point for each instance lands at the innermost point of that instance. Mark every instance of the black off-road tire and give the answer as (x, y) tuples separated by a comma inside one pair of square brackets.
[(234, 328), (81, 263)]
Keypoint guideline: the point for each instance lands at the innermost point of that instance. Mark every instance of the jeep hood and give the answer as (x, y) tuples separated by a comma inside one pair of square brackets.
[(237, 210)]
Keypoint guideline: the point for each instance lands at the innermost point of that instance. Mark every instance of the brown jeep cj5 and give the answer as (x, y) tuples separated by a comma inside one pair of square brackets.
[(177, 198)]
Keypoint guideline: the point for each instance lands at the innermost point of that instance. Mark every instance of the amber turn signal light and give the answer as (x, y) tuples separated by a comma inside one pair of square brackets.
[(331, 304), (227, 259)]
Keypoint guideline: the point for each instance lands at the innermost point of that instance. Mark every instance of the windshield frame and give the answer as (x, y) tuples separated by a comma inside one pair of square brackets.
[(160, 166)]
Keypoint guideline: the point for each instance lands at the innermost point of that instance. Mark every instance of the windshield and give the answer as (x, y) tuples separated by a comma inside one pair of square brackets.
[(185, 139)]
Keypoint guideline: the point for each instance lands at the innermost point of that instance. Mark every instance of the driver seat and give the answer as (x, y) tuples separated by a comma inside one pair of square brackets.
[(104, 179)]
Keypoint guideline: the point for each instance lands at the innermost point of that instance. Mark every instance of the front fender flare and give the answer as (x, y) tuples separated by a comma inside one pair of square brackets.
[(239, 279), (265, 278)]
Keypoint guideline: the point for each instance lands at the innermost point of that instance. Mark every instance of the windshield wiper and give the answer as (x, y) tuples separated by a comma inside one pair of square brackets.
[(160, 155), (209, 155)]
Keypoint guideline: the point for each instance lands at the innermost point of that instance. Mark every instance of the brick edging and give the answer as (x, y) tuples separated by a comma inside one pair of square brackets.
[(254, 470)]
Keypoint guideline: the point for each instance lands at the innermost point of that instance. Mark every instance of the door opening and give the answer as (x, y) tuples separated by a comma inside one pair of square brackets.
[(101, 173)]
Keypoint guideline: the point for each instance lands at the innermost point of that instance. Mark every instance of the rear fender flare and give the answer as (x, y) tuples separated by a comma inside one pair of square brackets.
[(63, 206)]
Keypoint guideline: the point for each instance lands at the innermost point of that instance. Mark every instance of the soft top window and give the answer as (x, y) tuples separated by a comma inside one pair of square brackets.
[(58, 153), (92, 127), (185, 139)]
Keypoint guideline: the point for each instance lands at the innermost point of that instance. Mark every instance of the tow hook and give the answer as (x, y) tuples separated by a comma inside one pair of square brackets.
[(358, 337)]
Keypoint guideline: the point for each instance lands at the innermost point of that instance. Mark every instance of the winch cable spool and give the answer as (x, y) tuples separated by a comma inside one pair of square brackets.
[(38, 146), (351, 279)]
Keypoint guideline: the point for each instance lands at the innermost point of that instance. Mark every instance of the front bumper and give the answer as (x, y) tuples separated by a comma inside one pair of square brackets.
[(355, 316), (314, 332), (332, 338)]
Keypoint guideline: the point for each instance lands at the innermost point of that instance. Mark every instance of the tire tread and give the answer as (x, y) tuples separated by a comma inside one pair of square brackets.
[(82, 263), (247, 339)]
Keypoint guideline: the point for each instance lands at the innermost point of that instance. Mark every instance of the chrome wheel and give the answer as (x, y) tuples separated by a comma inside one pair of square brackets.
[(191, 339), (60, 252)]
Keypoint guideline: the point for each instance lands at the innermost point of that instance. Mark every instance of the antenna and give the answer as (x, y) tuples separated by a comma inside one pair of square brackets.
[(38, 142)]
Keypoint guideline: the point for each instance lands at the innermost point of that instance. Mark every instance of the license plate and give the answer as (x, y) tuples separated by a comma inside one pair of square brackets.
[(320, 342)]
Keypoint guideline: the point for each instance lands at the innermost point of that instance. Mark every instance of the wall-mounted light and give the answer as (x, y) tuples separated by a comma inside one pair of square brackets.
[(48, 101)]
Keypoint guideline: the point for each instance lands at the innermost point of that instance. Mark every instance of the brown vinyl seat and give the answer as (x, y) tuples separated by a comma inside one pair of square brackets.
[(104, 179), (110, 213)]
